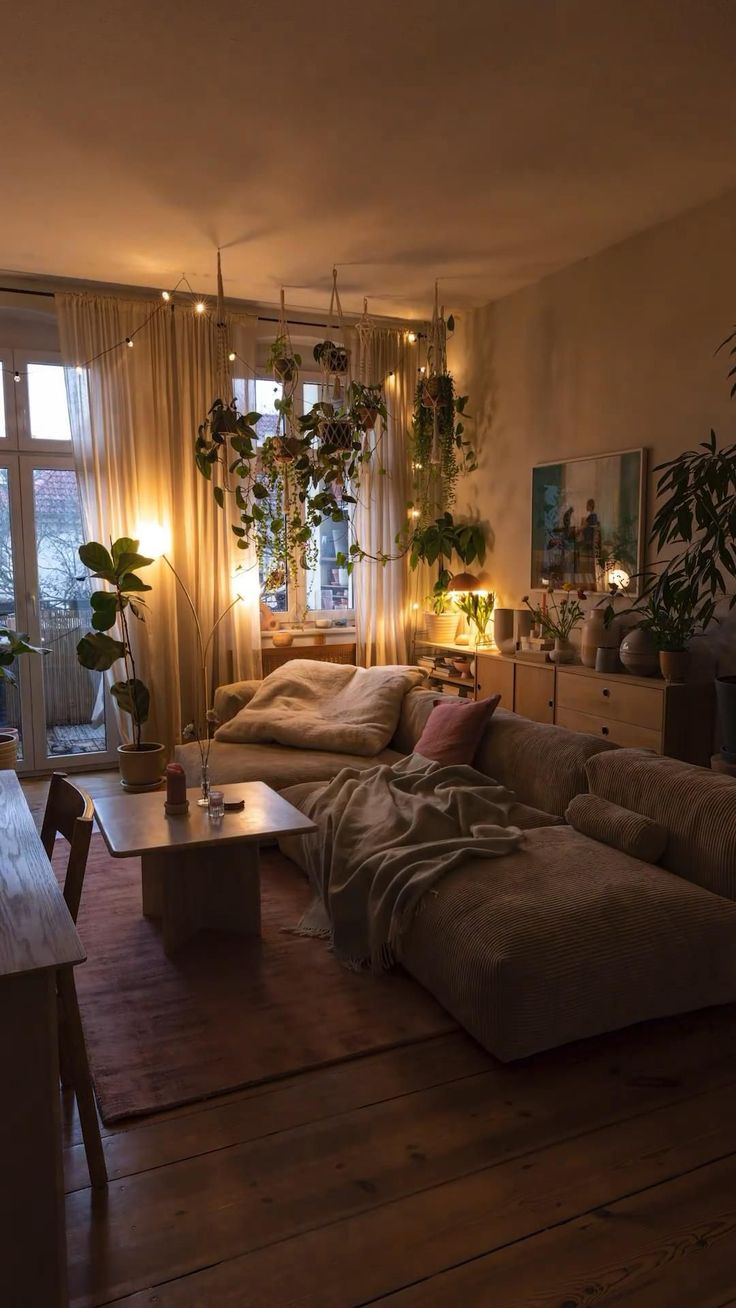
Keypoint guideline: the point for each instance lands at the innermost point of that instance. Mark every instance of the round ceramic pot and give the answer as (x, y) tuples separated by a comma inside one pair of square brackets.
[(281, 639), (441, 627), (563, 652), (726, 700), (674, 664), (141, 767), (638, 653), (503, 630), (8, 750)]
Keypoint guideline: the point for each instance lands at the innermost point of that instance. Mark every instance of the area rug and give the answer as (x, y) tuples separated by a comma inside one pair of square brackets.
[(225, 1012)]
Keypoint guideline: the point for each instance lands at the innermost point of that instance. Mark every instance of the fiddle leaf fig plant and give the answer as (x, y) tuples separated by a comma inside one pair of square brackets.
[(98, 650), (12, 645)]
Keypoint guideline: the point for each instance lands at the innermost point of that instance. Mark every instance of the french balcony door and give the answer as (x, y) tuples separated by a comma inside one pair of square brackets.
[(60, 711)]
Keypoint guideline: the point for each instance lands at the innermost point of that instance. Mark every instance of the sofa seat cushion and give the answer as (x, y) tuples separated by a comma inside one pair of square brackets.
[(567, 938), (277, 765), (696, 806)]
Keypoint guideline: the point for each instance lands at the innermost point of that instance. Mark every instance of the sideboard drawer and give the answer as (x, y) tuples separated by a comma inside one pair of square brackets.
[(619, 733), (611, 699)]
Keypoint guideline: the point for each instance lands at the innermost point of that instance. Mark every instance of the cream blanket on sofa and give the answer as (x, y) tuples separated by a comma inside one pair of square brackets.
[(313, 705), (384, 838)]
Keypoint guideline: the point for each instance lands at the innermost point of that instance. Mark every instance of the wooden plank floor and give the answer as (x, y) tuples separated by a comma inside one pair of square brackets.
[(602, 1174)]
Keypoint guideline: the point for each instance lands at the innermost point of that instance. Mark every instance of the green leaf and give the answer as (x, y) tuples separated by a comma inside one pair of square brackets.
[(219, 496), (130, 561), (132, 697), (98, 652), (130, 583), (123, 545), (95, 557)]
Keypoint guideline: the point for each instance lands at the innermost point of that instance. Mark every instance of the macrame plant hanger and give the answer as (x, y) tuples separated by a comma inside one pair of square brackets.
[(365, 330), (436, 369), (332, 356), (223, 377)]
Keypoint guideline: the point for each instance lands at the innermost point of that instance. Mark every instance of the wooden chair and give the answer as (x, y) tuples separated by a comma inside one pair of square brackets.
[(70, 813)]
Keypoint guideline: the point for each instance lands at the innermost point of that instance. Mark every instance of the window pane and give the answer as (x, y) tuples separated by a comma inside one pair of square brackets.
[(74, 697), (9, 695), (3, 431), (49, 413), (329, 586)]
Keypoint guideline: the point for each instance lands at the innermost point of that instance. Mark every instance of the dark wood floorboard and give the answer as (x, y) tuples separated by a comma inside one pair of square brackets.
[(598, 1175)]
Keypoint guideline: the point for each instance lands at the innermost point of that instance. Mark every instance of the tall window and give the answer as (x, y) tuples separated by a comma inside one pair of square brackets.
[(59, 709), (326, 588)]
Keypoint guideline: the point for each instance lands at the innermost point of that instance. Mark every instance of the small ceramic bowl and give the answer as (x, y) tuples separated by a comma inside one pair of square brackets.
[(281, 639), (323, 623), (462, 666)]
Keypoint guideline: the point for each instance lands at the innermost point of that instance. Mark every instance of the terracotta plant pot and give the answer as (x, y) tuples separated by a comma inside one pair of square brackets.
[(726, 701), (638, 653), (286, 448), (8, 750), (431, 392), (441, 627), (366, 417), (141, 767), (282, 639), (674, 664)]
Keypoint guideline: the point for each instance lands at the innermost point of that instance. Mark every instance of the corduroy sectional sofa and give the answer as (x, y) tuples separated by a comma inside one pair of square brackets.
[(623, 913)]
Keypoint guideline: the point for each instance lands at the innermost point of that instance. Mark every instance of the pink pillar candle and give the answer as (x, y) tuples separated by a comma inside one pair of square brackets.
[(176, 784)]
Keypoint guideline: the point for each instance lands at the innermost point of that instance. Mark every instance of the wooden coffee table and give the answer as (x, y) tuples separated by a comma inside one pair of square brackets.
[(197, 874)]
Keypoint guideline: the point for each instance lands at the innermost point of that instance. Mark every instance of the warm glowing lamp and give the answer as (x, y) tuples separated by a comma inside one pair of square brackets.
[(245, 584), (154, 539), (466, 583), (618, 577)]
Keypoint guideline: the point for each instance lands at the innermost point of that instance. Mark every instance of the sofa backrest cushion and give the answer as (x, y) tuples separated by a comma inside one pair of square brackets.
[(697, 807), (543, 765), (618, 827)]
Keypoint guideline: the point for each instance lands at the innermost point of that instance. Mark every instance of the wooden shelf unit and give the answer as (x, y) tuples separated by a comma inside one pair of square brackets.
[(635, 712)]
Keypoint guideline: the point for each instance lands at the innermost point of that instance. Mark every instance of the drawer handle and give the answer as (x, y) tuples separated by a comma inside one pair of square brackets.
[(606, 693), (604, 730)]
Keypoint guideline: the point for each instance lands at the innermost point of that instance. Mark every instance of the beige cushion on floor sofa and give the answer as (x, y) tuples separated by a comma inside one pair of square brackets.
[(566, 938), (277, 765)]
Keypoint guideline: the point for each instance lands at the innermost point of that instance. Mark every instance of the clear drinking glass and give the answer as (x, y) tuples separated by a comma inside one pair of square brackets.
[(204, 783), (217, 805)]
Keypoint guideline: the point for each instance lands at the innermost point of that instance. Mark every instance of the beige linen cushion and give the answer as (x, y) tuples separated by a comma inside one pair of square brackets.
[(230, 699), (618, 827), (566, 938), (696, 806)]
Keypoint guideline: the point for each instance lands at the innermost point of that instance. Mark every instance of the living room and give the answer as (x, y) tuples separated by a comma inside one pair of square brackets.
[(368, 655)]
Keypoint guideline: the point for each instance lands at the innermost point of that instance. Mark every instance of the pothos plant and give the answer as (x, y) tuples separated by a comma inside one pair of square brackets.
[(440, 450), (98, 650)]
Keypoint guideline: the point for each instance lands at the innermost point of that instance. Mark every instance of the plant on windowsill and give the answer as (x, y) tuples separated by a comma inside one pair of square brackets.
[(141, 762), (435, 543), (12, 645)]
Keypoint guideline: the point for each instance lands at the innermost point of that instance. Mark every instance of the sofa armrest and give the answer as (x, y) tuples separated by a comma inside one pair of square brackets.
[(229, 700)]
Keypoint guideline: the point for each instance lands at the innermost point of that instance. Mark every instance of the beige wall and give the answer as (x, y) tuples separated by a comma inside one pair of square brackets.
[(613, 352)]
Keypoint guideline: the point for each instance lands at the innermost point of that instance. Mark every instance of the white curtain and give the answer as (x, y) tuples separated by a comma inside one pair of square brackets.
[(134, 414), (382, 605)]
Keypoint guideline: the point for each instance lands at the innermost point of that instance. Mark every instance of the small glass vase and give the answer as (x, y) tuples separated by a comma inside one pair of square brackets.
[(204, 782), (563, 652)]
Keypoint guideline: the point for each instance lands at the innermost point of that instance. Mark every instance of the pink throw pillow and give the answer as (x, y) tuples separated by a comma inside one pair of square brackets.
[(453, 730)]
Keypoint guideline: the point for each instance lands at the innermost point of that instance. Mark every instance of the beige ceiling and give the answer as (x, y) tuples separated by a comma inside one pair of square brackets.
[(482, 143)]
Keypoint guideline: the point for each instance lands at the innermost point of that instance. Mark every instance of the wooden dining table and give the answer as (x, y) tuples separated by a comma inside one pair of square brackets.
[(37, 936)]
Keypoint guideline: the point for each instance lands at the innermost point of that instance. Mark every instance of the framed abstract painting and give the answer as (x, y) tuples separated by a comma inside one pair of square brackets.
[(588, 522)]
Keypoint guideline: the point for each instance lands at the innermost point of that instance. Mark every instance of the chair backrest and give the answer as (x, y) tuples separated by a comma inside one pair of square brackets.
[(70, 813)]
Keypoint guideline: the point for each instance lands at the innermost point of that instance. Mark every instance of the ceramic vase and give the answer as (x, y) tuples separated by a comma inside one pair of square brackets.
[(638, 653), (563, 652), (674, 664), (606, 659), (503, 630), (592, 636), (522, 624)]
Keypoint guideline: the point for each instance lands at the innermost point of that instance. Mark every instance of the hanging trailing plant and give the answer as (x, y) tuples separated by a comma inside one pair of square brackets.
[(333, 358), (283, 362), (440, 450), (366, 405)]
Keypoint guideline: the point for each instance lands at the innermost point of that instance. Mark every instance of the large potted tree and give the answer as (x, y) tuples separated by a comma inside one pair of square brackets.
[(141, 762), (12, 645)]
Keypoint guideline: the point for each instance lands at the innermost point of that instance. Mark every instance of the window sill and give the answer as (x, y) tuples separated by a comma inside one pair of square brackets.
[(307, 635)]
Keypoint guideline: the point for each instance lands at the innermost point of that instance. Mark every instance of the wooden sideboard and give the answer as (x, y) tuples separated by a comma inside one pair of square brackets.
[(639, 712), (37, 936)]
